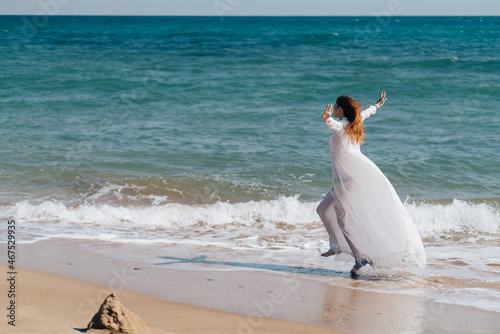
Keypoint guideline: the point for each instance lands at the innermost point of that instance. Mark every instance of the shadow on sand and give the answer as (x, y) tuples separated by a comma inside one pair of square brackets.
[(272, 267)]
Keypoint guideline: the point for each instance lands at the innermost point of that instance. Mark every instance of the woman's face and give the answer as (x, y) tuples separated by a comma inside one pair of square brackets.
[(338, 112)]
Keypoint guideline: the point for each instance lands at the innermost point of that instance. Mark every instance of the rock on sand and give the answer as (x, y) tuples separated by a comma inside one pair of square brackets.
[(115, 317)]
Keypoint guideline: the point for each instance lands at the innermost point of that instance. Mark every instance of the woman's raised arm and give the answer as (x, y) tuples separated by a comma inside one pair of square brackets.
[(328, 112), (373, 109), (381, 100), (329, 121)]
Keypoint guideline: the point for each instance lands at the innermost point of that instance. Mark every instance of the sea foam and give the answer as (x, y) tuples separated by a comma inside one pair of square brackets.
[(287, 212)]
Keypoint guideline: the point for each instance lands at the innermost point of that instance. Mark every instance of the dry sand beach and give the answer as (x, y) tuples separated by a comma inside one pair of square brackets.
[(53, 304), (67, 281)]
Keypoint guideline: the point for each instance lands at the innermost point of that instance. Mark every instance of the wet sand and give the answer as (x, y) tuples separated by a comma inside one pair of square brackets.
[(213, 299)]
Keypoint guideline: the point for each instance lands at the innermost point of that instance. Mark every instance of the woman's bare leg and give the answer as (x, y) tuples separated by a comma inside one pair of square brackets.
[(332, 215), (360, 261), (326, 212)]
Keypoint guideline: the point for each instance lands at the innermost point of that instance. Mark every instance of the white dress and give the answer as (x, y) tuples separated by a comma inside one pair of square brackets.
[(362, 213)]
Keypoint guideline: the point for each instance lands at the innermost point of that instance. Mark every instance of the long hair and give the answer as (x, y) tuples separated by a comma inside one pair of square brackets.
[(352, 111)]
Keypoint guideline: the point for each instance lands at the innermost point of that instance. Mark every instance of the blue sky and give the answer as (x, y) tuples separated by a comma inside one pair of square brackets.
[(251, 7)]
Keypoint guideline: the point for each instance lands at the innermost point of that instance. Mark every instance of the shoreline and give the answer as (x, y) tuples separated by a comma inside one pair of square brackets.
[(331, 304)]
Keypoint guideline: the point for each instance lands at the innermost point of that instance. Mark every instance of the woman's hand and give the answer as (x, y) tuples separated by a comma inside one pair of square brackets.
[(381, 100), (328, 112)]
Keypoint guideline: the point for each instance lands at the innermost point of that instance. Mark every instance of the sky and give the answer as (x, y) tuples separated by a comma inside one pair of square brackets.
[(252, 7)]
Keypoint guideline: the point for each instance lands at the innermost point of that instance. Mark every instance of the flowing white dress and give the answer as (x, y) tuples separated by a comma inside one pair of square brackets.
[(362, 213)]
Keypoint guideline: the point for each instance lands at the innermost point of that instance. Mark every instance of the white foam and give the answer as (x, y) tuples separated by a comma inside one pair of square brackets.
[(430, 219), (115, 190), (457, 217), (285, 209)]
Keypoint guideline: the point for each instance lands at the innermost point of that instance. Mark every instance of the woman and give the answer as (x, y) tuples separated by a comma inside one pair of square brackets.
[(362, 213)]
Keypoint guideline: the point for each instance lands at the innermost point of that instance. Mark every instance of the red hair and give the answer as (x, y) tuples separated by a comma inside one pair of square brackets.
[(352, 111)]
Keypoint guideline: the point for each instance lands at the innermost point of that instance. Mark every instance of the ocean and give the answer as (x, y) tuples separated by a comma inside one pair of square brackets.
[(202, 136)]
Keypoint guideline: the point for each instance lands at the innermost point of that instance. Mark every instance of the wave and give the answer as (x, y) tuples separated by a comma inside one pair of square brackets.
[(459, 216), (284, 209), (284, 214)]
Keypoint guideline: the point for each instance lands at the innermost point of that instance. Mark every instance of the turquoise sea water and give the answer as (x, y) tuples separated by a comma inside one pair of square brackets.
[(233, 104), (189, 130)]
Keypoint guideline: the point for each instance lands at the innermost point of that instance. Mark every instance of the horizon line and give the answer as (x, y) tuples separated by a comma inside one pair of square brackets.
[(221, 16)]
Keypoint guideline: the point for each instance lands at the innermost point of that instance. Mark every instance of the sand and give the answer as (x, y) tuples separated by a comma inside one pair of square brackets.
[(67, 281), (52, 304)]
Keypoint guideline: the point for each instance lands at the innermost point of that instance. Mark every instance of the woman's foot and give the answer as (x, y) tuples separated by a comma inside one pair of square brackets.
[(329, 253), (357, 266)]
